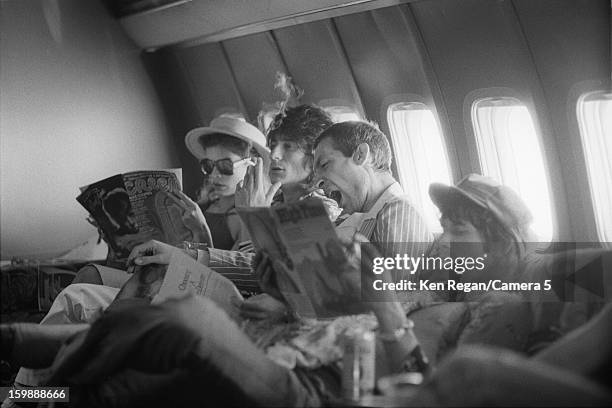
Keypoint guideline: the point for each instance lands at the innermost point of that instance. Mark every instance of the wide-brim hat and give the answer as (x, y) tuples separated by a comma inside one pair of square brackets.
[(227, 126), (503, 202)]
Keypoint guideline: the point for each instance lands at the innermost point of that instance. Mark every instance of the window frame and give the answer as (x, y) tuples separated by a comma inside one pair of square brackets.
[(586, 199), (473, 144), (393, 100)]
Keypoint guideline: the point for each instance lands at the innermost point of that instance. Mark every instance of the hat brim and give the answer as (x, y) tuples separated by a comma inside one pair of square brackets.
[(192, 141), (444, 196)]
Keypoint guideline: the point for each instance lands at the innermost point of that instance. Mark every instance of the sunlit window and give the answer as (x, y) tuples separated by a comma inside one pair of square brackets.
[(509, 151), (420, 154), (594, 111), (342, 113)]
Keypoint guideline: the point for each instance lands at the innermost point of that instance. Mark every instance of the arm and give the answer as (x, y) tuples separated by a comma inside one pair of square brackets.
[(238, 230), (234, 265), (34, 345)]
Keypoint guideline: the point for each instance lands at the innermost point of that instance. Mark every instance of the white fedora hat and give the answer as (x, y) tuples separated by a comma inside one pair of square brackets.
[(228, 126)]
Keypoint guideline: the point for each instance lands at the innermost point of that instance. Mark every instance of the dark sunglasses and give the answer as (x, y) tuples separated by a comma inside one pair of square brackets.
[(225, 166)]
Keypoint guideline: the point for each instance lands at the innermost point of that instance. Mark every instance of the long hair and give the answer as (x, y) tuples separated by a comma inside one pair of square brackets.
[(503, 247)]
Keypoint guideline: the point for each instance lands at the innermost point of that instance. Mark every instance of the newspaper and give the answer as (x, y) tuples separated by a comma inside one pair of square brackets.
[(184, 275), (135, 207), (300, 234)]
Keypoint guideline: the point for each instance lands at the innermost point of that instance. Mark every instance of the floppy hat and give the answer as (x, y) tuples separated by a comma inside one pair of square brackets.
[(228, 126), (503, 202)]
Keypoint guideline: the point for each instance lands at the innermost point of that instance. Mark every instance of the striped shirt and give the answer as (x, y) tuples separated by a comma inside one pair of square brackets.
[(236, 266), (393, 225)]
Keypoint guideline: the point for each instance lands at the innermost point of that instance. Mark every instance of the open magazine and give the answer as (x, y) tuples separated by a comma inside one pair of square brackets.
[(135, 207), (299, 234)]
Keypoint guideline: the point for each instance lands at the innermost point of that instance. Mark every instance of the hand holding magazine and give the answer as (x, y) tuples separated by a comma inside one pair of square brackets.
[(155, 283), (306, 254)]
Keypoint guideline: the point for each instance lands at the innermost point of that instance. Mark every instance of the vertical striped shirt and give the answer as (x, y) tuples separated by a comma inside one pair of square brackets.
[(393, 225)]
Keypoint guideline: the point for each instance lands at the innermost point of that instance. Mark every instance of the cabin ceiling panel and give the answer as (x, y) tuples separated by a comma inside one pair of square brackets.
[(317, 63), (255, 60), (217, 20), (209, 75)]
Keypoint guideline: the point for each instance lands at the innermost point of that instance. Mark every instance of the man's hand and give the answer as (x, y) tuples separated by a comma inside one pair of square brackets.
[(151, 252), (256, 190), (331, 205), (273, 276), (263, 307)]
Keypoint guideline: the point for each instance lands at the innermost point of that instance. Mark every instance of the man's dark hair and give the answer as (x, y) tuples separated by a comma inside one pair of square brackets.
[(346, 136), (503, 247), (301, 124), (231, 143)]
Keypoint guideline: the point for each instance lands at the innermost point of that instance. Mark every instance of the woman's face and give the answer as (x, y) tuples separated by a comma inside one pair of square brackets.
[(222, 184), (289, 163), (460, 239)]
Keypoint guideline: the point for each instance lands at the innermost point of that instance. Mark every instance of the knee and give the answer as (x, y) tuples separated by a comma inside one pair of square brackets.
[(88, 274)]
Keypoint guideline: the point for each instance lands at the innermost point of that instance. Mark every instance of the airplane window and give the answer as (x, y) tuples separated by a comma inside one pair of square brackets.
[(420, 154), (342, 113), (509, 151), (594, 111)]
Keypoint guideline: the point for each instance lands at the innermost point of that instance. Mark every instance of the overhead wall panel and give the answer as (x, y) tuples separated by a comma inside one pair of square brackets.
[(255, 61), (210, 77), (383, 55), (316, 61)]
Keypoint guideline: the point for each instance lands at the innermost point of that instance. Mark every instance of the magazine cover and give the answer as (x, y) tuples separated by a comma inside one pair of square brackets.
[(135, 207), (300, 235)]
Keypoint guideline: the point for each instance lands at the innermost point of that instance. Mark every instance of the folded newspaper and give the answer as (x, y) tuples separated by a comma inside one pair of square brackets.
[(300, 235), (135, 207), (184, 276)]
